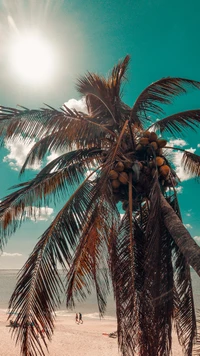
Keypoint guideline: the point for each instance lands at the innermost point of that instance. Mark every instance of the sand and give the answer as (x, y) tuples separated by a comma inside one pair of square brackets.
[(71, 339)]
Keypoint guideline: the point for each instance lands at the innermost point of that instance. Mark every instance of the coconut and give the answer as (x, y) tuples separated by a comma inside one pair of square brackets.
[(128, 165), (113, 174), (146, 134), (119, 167), (152, 137), (164, 171), (144, 141), (123, 178), (161, 143), (159, 161), (115, 183), (154, 145)]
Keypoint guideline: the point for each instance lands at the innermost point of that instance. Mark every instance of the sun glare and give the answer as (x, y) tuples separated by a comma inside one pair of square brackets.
[(32, 59)]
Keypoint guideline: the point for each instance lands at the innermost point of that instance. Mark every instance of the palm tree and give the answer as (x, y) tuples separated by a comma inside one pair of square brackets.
[(143, 256)]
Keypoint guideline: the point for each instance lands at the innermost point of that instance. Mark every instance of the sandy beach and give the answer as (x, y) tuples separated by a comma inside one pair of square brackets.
[(71, 339)]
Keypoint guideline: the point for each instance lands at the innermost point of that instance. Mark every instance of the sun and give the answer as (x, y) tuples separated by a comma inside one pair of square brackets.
[(32, 58)]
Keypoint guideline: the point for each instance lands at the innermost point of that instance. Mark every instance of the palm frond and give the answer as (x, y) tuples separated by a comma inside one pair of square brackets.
[(161, 92), (68, 159), (89, 264), (37, 292), (174, 124), (124, 286), (21, 204), (30, 123), (191, 163), (184, 312), (95, 89), (196, 350)]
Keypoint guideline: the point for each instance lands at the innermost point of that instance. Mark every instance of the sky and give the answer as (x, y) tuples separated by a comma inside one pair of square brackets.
[(162, 38)]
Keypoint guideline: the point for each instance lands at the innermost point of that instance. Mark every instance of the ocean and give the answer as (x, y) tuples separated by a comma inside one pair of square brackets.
[(88, 308)]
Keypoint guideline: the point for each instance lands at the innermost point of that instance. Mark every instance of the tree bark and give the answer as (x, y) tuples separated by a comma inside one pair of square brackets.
[(183, 239)]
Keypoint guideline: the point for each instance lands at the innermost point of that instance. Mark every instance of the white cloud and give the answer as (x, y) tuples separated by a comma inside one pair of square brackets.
[(6, 254), (177, 159), (197, 238), (198, 145), (39, 214), (188, 214), (188, 226), (18, 151), (79, 105), (177, 142), (179, 190)]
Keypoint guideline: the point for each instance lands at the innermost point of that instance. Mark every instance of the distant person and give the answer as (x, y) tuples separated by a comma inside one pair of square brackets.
[(76, 319), (80, 318)]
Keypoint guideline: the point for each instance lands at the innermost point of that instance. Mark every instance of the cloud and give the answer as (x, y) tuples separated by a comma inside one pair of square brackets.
[(38, 214), (177, 142), (198, 145), (188, 226), (188, 214), (177, 158), (79, 105), (179, 190), (6, 254), (18, 151), (197, 239)]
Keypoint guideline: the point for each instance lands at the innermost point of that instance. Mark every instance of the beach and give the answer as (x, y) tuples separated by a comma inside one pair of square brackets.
[(71, 339)]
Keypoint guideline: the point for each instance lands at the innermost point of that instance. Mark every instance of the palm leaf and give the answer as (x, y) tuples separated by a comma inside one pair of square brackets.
[(176, 123), (37, 292), (69, 159), (17, 206), (197, 341), (159, 93), (184, 313), (191, 163), (89, 264), (30, 123)]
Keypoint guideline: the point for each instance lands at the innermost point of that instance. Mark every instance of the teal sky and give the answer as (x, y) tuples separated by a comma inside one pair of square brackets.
[(162, 38)]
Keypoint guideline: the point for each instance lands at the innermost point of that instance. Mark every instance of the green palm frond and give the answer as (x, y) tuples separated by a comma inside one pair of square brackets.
[(174, 124), (161, 92)]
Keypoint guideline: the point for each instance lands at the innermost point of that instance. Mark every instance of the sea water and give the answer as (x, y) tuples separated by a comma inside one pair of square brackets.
[(88, 307)]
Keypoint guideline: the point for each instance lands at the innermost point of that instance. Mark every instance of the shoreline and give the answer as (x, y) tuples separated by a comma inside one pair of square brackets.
[(69, 339)]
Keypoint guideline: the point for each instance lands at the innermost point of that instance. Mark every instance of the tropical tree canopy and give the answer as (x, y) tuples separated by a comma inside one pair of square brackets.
[(117, 159)]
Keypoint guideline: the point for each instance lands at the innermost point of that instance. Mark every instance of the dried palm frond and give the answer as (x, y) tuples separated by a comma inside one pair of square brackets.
[(184, 312), (175, 124), (158, 93), (62, 161), (89, 266), (196, 350), (21, 204), (191, 163), (37, 292)]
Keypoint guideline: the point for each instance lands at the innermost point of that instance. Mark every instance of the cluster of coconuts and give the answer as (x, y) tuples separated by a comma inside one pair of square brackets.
[(143, 165), (153, 146)]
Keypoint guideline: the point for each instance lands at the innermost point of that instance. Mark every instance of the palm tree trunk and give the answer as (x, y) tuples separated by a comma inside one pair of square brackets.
[(181, 236)]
